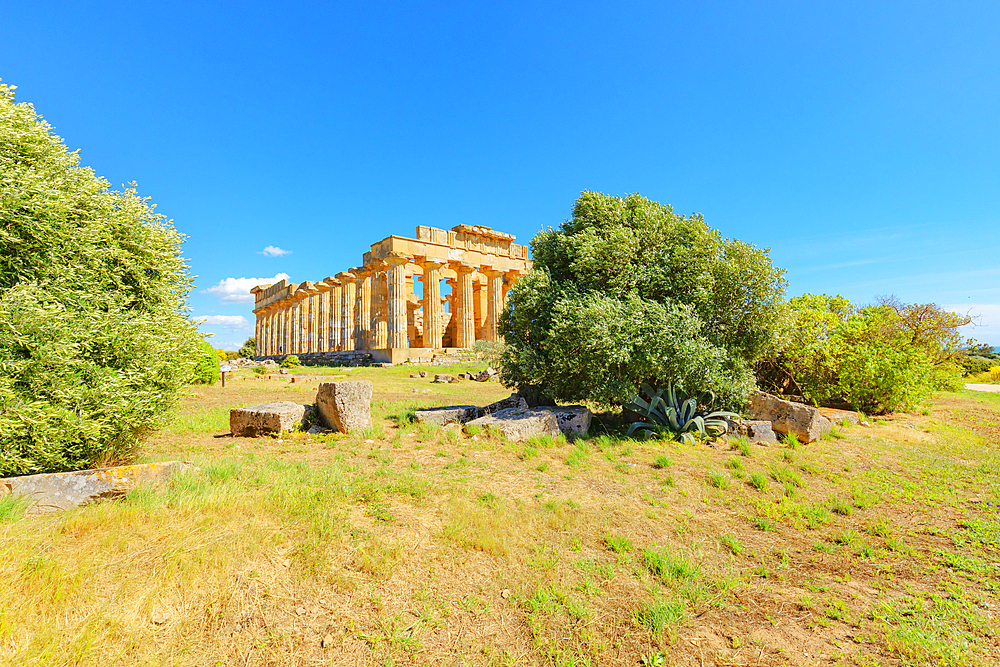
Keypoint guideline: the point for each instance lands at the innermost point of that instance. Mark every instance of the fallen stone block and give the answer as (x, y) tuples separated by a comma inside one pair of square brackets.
[(265, 419), (756, 430), (837, 416), (786, 417), (452, 414), (51, 492), (484, 375), (518, 425), (574, 420), (512, 401), (345, 406), (422, 374)]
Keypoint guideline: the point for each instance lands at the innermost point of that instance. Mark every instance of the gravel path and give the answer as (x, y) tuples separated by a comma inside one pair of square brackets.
[(995, 388)]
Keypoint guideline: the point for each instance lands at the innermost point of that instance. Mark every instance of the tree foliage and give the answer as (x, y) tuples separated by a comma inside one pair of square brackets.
[(628, 292), (206, 366), (880, 358), (248, 350), (94, 337)]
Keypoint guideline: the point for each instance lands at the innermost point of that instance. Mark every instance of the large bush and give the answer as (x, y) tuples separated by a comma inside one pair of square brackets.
[(627, 292), (94, 338), (206, 367), (249, 349), (880, 358)]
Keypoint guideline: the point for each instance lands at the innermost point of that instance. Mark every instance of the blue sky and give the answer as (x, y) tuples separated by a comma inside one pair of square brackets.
[(859, 141)]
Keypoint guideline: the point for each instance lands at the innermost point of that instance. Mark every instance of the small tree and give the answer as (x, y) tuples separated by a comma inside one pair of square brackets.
[(206, 368), (94, 336), (880, 358), (249, 349), (627, 292)]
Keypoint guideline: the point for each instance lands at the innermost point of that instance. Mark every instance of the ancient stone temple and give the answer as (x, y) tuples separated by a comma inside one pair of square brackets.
[(374, 308)]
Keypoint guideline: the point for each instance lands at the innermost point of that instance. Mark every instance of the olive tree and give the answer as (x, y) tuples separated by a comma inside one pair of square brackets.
[(95, 339), (627, 292)]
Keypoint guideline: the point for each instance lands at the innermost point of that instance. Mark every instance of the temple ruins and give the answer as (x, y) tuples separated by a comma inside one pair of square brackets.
[(373, 309)]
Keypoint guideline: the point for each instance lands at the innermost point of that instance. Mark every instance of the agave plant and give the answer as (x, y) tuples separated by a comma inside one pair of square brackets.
[(670, 411)]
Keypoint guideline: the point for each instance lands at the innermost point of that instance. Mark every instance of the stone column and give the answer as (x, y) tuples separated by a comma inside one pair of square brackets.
[(465, 326), (322, 316), (258, 327), (293, 325), (478, 310), (272, 330), (397, 301), (289, 318), (265, 332), (285, 338), (433, 312), (302, 324), (363, 324), (379, 325), (310, 320), (494, 303), (347, 298), (279, 328), (333, 329)]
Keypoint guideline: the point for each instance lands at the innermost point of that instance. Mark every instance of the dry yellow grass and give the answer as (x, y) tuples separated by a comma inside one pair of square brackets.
[(409, 545)]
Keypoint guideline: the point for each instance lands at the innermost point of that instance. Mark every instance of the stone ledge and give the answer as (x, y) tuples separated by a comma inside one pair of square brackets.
[(53, 492)]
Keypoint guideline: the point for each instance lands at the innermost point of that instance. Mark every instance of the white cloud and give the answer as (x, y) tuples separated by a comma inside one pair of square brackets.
[(274, 251), (237, 290), (232, 322), (985, 326)]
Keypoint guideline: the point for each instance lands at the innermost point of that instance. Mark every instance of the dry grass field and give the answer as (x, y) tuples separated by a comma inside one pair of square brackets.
[(408, 545)]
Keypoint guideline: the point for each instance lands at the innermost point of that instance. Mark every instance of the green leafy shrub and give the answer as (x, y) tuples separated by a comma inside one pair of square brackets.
[(973, 364), (259, 370), (248, 350), (489, 351), (232, 355), (880, 358), (627, 292), (206, 368), (94, 337), (291, 361)]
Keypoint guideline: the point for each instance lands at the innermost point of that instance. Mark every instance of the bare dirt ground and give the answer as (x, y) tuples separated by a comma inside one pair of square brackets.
[(411, 545)]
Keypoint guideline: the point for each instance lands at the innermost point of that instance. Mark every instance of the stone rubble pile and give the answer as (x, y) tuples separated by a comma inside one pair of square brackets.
[(512, 417)]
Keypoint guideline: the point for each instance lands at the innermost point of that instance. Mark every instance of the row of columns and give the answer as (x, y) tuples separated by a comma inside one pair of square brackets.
[(366, 308)]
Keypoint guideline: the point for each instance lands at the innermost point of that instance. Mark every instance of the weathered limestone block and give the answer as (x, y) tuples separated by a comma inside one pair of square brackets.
[(787, 417), (836, 416), (512, 401), (62, 490), (518, 425), (758, 431), (485, 375), (266, 418), (452, 414), (574, 420), (345, 406)]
